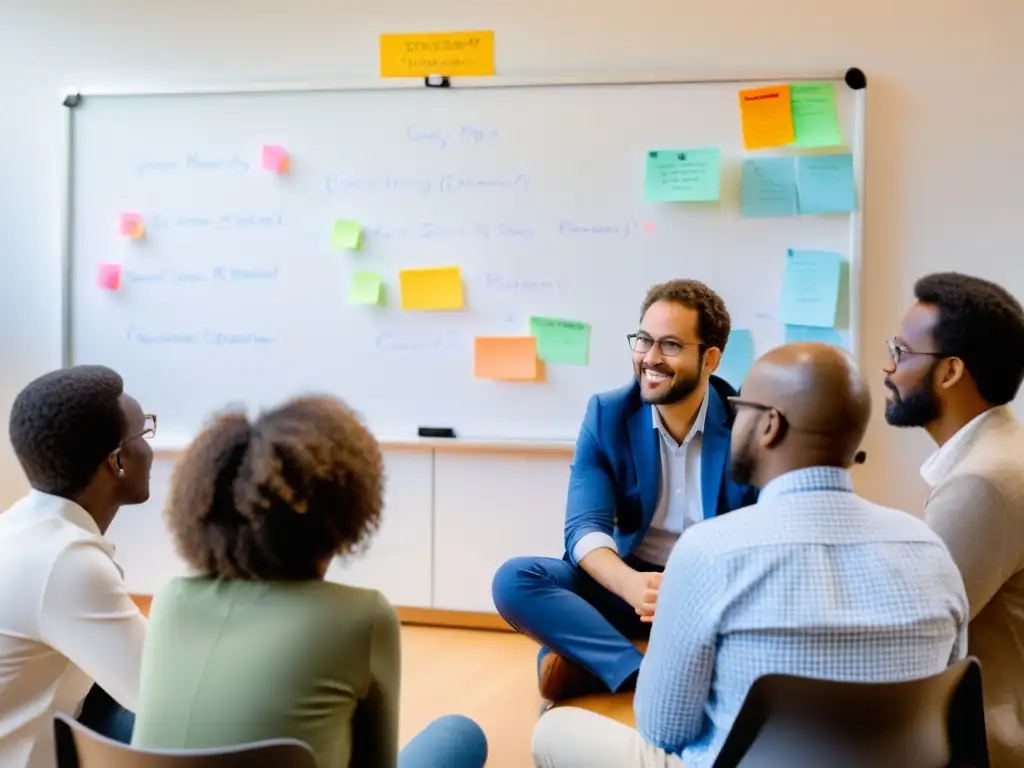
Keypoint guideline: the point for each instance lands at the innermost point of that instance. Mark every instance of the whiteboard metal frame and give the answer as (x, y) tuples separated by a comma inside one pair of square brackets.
[(174, 444)]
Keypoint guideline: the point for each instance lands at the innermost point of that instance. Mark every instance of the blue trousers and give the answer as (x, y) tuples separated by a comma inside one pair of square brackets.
[(566, 611), (452, 741)]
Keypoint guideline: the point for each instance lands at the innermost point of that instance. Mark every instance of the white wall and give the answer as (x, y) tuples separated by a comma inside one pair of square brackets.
[(944, 158)]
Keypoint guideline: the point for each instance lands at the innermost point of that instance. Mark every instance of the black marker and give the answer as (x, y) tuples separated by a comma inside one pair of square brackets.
[(435, 432)]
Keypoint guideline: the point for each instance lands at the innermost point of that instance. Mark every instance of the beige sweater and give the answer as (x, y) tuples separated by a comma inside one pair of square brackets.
[(976, 505)]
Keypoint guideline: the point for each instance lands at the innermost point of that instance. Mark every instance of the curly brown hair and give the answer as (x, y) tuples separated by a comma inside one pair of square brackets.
[(273, 499), (713, 321)]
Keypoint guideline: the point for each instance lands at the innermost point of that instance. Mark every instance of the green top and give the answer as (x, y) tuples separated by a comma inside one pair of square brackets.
[(233, 662)]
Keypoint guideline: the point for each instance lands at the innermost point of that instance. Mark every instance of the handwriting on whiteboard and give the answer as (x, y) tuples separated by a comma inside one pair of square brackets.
[(219, 274), (163, 222), (431, 230), (495, 282), (205, 336), (422, 344), (467, 135), (440, 184), (599, 229), (232, 164)]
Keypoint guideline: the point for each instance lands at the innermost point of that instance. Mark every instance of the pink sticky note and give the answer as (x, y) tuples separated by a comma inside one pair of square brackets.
[(275, 158), (131, 225), (108, 276)]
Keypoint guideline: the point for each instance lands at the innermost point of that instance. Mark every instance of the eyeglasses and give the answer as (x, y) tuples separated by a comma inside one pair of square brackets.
[(642, 343), (147, 433), (738, 402), (898, 351)]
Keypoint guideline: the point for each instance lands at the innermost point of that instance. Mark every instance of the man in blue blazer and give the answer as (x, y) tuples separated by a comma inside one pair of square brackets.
[(651, 459)]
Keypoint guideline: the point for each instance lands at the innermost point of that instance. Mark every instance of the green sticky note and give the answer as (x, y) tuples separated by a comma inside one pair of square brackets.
[(346, 235), (815, 119), (682, 175), (365, 288), (561, 341)]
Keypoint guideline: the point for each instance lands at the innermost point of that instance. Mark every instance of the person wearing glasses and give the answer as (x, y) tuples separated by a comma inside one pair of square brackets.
[(955, 366), (67, 623), (651, 460), (811, 581)]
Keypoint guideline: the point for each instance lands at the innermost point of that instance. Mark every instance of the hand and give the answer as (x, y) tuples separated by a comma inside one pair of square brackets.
[(642, 593)]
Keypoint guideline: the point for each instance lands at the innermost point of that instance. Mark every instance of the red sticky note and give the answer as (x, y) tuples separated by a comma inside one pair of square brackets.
[(275, 158), (131, 225), (108, 276)]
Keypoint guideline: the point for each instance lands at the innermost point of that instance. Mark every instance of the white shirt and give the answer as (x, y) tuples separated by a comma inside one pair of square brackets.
[(66, 620), (680, 503), (938, 465)]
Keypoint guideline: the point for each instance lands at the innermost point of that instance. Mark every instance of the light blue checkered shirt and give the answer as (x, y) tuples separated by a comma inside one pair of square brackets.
[(811, 581)]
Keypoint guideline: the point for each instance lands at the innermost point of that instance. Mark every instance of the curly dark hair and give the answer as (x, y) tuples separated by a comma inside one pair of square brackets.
[(982, 324), (272, 499), (713, 321), (64, 424)]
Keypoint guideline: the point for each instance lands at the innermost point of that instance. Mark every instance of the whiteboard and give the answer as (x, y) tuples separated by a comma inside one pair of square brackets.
[(235, 294)]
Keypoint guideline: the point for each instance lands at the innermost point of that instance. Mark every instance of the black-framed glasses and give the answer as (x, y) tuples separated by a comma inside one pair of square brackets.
[(642, 343), (898, 351)]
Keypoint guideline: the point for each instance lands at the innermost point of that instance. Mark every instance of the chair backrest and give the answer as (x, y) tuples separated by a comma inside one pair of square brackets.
[(79, 747), (933, 722)]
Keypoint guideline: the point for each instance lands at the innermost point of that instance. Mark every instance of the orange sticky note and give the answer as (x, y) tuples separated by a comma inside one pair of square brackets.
[(469, 54), (507, 358), (275, 158), (432, 288), (131, 225), (767, 117), (108, 276)]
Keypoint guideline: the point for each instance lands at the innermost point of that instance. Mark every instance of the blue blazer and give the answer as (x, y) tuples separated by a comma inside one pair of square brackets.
[(616, 470)]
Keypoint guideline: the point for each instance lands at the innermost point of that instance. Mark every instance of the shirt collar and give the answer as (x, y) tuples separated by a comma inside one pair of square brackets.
[(57, 506), (807, 480), (696, 429), (941, 463)]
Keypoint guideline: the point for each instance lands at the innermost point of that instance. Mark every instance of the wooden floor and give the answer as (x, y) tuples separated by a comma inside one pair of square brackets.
[(486, 675)]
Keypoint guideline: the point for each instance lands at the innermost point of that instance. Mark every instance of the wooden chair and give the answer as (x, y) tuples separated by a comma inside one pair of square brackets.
[(79, 747), (617, 706), (934, 722)]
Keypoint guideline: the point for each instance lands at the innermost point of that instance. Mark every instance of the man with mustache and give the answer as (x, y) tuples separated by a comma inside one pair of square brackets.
[(812, 581), (651, 461), (956, 364)]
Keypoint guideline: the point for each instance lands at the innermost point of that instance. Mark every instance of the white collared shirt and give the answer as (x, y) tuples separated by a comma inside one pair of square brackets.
[(680, 503), (66, 620), (938, 465)]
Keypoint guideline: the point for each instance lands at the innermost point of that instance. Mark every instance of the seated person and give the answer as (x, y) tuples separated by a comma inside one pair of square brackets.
[(956, 365), (811, 581), (66, 619), (258, 645), (651, 461)]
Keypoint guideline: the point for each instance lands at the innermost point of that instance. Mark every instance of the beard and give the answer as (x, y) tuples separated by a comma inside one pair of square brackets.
[(743, 461), (680, 386), (916, 408)]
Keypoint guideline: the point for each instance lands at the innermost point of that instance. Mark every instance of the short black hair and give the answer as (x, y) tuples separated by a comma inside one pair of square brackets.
[(64, 424), (982, 324), (713, 321)]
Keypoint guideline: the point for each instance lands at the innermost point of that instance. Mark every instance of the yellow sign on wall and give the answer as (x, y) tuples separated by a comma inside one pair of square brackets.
[(466, 54)]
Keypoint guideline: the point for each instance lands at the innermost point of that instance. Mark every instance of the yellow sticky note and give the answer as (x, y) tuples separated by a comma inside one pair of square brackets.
[(469, 54), (345, 235), (507, 358), (767, 117), (432, 288), (365, 288)]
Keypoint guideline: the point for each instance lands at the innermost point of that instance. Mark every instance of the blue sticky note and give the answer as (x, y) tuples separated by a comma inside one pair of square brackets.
[(737, 358), (798, 333), (682, 175), (824, 184), (768, 187), (810, 288)]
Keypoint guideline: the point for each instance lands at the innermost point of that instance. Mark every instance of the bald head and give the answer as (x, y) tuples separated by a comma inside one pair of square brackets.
[(824, 403)]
